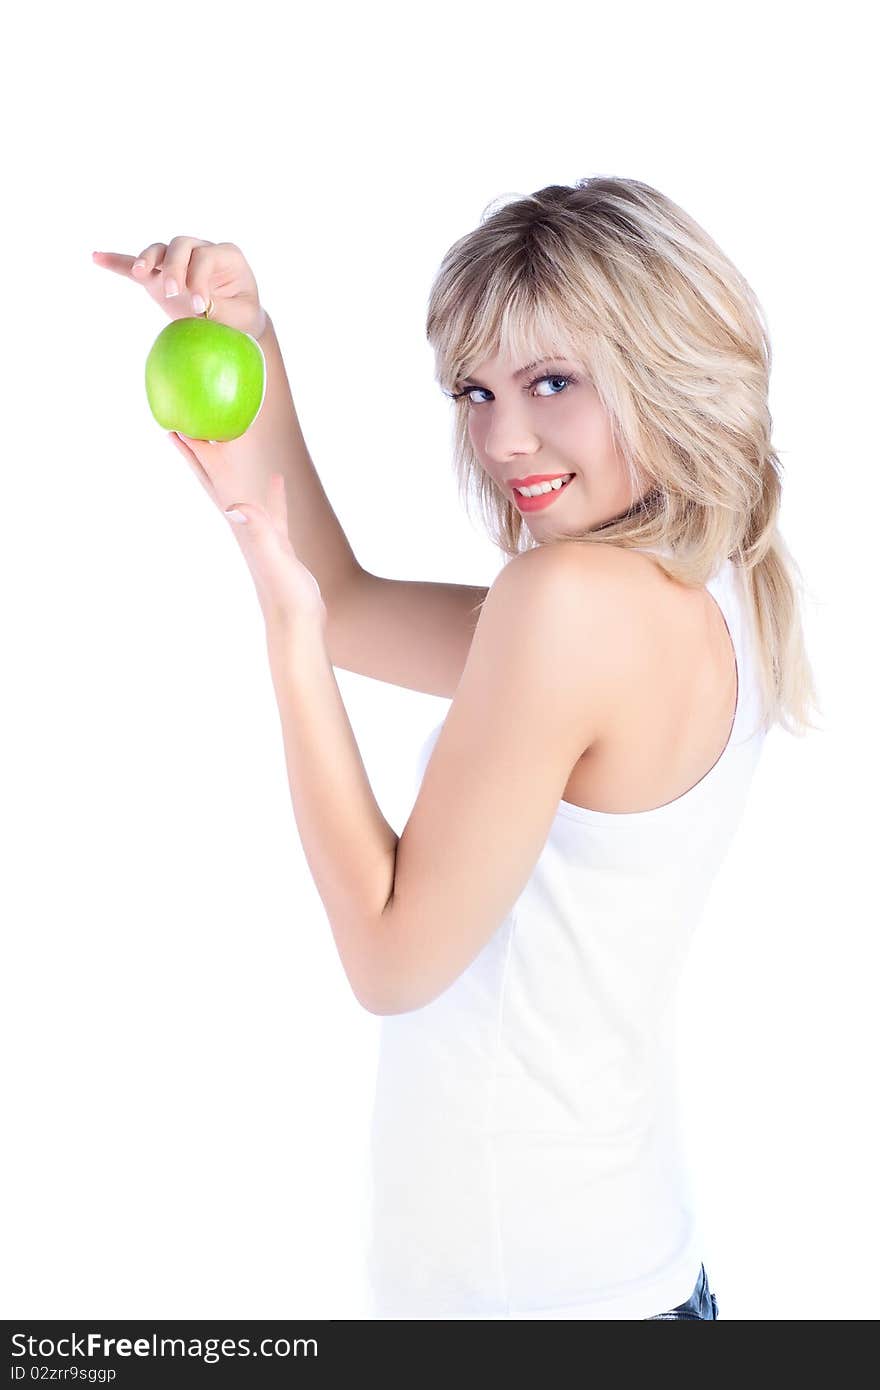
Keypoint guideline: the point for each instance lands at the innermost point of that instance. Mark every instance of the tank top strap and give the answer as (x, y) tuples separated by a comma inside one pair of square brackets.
[(727, 586)]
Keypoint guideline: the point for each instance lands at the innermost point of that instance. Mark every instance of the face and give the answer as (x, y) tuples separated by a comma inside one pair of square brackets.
[(547, 420)]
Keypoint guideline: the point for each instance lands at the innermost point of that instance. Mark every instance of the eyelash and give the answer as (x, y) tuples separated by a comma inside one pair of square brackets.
[(548, 376)]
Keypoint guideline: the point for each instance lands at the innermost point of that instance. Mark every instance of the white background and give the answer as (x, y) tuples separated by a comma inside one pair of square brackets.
[(187, 1075)]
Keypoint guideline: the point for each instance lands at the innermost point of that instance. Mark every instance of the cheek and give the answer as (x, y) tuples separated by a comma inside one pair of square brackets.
[(588, 436)]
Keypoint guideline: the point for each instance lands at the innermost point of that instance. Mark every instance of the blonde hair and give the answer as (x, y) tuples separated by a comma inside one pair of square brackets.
[(614, 275)]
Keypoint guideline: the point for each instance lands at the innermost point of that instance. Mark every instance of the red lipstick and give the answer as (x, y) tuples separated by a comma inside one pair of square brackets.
[(543, 499), (534, 479)]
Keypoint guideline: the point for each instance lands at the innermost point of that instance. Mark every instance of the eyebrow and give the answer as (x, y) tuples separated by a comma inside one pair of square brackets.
[(469, 380)]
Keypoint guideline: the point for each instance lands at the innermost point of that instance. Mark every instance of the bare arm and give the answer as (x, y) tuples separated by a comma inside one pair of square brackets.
[(411, 633), (407, 632), (274, 444)]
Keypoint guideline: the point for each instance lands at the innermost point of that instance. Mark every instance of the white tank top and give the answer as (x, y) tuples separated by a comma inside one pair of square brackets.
[(526, 1152)]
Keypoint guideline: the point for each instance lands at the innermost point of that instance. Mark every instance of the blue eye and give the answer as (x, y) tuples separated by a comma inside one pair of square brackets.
[(552, 376)]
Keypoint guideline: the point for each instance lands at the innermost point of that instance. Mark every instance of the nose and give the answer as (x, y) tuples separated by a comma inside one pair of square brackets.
[(509, 435)]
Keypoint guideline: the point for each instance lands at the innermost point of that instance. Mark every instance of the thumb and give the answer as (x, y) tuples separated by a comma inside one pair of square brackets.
[(189, 440), (180, 441)]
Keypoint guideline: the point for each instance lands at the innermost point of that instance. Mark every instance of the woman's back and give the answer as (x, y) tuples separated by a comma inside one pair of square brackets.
[(526, 1151), (670, 724)]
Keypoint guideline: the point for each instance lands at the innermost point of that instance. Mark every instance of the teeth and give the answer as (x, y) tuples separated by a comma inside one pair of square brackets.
[(543, 487)]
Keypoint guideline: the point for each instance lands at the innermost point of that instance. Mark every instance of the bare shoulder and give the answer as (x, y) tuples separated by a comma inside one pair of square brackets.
[(604, 582), (564, 556), (588, 609)]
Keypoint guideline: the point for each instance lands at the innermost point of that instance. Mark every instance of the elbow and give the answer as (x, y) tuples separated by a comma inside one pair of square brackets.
[(378, 1003), (371, 1006), (375, 985), (398, 983), (368, 998), (382, 1000), (375, 997)]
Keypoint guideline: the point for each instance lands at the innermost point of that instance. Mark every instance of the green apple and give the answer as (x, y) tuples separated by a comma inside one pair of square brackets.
[(205, 379)]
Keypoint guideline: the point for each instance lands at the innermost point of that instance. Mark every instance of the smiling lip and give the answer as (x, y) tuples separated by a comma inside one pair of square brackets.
[(534, 479), (543, 499)]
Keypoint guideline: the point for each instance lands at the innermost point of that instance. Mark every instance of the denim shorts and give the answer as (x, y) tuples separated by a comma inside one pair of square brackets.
[(701, 1304)]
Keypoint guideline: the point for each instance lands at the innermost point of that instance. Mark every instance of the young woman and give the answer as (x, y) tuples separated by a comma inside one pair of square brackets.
[(523, 938)]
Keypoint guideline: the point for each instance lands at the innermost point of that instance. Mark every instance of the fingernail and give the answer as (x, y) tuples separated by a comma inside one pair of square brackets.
[(198, 304), (235, 515), (139, 265), (171, 289)]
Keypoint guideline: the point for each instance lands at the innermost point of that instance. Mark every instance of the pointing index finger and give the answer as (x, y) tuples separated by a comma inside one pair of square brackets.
[(116, 261), (113, 260)]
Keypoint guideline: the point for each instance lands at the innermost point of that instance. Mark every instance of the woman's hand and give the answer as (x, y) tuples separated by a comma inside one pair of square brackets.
[(201, 270), (287, 591), (289, 594)]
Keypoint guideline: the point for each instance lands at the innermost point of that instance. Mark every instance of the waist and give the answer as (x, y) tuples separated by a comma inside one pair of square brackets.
[(472, 1224)]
